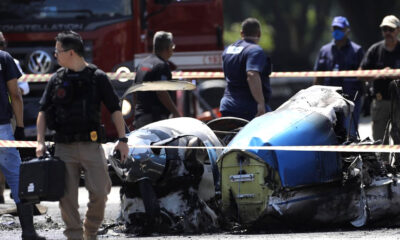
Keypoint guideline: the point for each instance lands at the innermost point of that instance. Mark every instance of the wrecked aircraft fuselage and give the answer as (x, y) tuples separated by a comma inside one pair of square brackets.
[(305, 188), (174, 190), (169, 190)]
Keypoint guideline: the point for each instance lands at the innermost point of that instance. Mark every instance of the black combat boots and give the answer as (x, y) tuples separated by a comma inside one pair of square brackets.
[(25, 214)]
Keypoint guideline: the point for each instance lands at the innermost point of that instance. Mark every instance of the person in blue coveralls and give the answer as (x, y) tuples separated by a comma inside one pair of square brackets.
[(342, 54), (247, 69)]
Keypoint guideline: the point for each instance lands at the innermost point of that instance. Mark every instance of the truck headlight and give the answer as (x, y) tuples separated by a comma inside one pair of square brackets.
[(123, 69)]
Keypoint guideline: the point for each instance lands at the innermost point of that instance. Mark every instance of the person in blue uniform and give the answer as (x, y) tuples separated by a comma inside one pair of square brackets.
[(24, 88), (10, 160), (246, 68), (342, 54)]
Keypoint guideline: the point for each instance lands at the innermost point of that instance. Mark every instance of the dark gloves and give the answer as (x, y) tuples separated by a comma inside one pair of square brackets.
[(19, 133)]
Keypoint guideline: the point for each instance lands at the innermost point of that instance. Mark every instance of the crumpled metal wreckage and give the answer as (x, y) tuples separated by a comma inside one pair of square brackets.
[(184, 190), (271, 188), (170, 190)]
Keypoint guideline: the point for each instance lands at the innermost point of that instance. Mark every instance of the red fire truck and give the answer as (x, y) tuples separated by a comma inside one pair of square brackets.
[(117, 35)]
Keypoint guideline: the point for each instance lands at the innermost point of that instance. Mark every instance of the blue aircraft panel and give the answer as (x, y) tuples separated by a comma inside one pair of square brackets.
[(293, 127)]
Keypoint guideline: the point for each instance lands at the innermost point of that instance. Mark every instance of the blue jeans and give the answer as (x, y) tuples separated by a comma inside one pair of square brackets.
[(10, 161)]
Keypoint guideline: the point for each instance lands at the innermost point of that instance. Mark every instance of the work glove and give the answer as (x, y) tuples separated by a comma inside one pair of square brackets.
[(19, 133)]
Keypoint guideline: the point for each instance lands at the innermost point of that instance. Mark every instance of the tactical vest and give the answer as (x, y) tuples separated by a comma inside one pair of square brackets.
[(75, 106)]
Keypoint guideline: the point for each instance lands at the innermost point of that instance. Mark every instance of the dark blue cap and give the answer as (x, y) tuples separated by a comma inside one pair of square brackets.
[(341, 22)]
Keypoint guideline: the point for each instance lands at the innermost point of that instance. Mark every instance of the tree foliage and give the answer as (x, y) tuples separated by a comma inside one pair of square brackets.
[(366, 16), (294, 31)]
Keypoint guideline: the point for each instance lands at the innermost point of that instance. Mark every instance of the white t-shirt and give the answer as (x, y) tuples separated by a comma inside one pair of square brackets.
[(22, 85)]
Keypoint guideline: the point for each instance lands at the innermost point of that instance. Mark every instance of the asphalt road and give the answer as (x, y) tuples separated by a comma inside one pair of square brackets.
[(51, 226)]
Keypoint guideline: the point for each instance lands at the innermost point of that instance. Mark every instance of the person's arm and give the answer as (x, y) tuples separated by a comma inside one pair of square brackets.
[(166, 100), (110, 99), (256, 63), (368, 62), (163, 71), (119, 124), (41, 130), (16, 101), (41, 124), (254, 81)]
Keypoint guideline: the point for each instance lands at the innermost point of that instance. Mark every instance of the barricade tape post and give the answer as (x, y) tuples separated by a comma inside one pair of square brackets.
[(320, 148), (220, 75)]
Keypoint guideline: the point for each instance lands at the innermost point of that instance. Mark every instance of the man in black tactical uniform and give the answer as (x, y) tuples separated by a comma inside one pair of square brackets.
[(155, 105), (384, 54), (70, 105)]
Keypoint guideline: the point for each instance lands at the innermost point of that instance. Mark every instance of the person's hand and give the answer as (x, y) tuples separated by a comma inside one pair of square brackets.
[(260, 109), (123, 148), (19, 133), (40, 149)]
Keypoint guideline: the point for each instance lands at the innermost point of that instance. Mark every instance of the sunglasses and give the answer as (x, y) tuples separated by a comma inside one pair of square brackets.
[(57, 52), (387, 29)]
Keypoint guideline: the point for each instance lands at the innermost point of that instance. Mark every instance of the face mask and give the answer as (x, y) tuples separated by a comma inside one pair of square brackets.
[(337, 34)]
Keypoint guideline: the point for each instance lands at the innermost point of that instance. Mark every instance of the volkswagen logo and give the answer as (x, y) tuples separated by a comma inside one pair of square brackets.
[(40, 62)]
